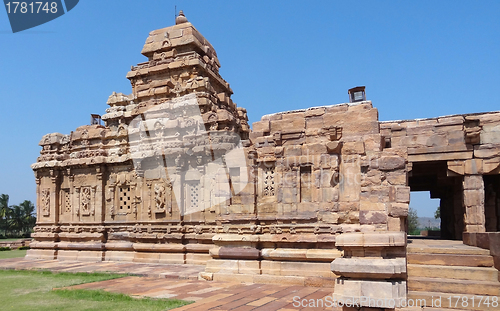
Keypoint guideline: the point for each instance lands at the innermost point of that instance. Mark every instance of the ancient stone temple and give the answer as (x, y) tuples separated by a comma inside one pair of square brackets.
[(310, 197)]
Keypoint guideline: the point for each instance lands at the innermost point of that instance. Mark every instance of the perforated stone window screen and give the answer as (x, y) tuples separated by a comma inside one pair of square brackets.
[(66, 201), (268, 181), (124, 196), (193, 194)]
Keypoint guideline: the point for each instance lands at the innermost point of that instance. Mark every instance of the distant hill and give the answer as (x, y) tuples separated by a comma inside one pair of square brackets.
[(424, 222)]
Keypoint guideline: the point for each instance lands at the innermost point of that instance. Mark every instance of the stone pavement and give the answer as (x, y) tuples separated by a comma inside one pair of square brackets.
[(180, 282), (131, 268), (215, 295)]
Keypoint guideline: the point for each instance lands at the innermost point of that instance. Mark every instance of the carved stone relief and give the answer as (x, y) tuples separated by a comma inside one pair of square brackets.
[(45, 202), (160, 194), (85, 201)]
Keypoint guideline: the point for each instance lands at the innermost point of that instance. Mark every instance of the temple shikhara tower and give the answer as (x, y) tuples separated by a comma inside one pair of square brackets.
[(314, 197)]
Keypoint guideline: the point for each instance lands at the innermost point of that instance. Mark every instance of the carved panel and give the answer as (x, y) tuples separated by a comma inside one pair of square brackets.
[(268, 188), (160, 198), (85, 201), (167, 197), (46, 202)]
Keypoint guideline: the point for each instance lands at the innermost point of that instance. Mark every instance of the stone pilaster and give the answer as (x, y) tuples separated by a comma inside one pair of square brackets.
[(372, 270), (473, 202)]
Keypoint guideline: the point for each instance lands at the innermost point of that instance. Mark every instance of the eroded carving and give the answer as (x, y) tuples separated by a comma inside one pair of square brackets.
[(45, 200)]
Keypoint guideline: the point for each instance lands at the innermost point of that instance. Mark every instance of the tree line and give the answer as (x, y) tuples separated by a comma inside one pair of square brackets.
[(413, 228), (16, 220)]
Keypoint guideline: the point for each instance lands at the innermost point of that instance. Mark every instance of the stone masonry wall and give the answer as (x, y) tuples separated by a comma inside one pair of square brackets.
[(468, 147)]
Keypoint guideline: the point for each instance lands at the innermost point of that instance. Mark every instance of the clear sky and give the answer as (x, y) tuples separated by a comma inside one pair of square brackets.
[(417, 59)]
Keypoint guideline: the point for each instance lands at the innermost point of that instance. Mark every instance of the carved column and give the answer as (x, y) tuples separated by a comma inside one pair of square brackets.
[(135, 200), (149, 184), (38, 201), (54, 195), (71, 192), (76, 203), (112, 198), (98, 207), (93, 203)]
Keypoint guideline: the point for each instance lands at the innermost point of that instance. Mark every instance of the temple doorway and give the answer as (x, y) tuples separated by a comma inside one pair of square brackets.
[(433, 177)]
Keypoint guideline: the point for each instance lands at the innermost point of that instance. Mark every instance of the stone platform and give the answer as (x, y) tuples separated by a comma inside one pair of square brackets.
[(181, 283), (137, 269)]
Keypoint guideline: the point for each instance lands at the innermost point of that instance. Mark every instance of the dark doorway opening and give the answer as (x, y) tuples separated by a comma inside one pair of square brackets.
[(433, 177), (492, 202)]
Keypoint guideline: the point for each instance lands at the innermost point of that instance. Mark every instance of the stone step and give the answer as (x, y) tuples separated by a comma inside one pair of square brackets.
[(450, 260), (453, 272), (470, 287), (449, 302), (455, 249)]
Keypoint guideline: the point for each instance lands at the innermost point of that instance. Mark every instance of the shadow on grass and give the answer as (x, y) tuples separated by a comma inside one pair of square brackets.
[(101, 295)]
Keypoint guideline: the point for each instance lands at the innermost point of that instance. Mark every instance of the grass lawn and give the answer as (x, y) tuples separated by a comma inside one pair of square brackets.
[(12, 254), (32, 290)]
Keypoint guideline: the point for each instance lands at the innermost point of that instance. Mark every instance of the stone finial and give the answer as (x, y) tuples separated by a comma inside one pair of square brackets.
[(181, 18)]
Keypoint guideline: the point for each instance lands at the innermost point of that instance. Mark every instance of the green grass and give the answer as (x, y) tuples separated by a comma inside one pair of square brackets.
[(33, 290), (10, 240), (114, 300), (12, 254)]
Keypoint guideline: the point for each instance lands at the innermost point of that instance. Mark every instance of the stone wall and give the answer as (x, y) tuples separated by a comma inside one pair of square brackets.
[(319, 173), (456, 158)]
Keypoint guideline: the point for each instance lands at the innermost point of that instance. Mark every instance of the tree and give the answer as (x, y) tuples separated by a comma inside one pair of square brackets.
[(29, 218), (21, 219), (412, 221), (4, 212), (16, 220), (4, 204), (437, 213)]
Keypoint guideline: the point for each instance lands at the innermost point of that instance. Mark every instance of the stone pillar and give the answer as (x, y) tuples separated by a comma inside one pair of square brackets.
[(498, 213), (458, 208), (54, 195), (72, 196), (372, 270), (474, 203), (76, 204), (98, 207), (38, 200)]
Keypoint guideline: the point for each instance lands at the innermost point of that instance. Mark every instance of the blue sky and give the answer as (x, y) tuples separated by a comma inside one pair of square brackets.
[(417, 59)]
